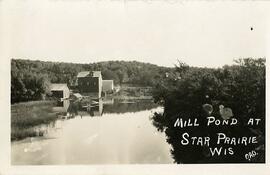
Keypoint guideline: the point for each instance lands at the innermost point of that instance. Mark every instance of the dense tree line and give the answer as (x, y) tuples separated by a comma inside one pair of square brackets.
[(240, 87), (30, 79)]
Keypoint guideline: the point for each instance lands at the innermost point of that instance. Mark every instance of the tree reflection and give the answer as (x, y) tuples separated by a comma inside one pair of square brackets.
[(101, 106), (135, 106)]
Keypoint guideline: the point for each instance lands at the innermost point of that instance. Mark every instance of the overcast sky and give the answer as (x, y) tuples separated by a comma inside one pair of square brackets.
[(207, 34)]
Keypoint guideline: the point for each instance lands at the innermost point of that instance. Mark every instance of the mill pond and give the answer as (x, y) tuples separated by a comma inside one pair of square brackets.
[(111, 132), (108, 117)]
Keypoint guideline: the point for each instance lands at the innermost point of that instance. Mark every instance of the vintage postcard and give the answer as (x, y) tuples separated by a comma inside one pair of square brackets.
[(134, 87)]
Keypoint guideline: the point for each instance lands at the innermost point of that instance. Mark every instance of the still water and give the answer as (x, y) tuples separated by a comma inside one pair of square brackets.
[(113, 133)]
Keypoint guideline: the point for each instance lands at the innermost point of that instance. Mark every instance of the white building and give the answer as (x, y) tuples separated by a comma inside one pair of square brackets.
[(107, 85), (61, 93)]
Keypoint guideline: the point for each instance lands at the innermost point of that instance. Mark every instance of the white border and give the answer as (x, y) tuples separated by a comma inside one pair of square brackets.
[(6, 168)]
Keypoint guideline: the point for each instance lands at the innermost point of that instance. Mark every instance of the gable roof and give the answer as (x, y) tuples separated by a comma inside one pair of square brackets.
[(107, 81), (83, 74), (96, 73), (88, 73), (58, 87)]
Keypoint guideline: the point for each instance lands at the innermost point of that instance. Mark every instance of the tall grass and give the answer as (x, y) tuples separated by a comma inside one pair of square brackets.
[(24, 116)]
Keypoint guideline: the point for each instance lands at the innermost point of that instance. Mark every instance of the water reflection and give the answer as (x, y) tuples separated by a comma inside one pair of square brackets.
[(96, 107), (120, 106), (116, 136), (61, 106)]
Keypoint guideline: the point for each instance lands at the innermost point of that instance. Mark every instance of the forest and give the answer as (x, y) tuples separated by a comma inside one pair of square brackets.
[(30, 80)]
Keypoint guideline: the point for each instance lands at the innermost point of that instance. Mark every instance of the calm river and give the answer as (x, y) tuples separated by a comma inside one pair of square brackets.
[(114, 133)]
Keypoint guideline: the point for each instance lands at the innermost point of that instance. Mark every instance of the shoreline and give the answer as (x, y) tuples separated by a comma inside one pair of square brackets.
[(25, 116)]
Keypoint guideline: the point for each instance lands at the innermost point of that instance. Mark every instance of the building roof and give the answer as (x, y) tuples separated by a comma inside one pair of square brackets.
[(87, 73), (107, 81), (58, 87), (83, 74), (96, 73)]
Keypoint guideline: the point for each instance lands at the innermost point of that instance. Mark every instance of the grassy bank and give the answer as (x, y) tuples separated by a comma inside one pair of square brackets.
[(24, 116)]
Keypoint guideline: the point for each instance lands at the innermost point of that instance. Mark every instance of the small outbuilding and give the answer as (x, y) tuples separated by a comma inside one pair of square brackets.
[(107, 85), (60, 91)]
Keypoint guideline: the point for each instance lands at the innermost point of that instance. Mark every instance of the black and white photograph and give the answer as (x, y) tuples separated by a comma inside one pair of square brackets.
[(134, 83)]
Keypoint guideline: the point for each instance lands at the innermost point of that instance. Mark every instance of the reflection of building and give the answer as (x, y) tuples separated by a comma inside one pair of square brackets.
[(60, 92), (62, 107), (93, 108), (108, 101), (76, 96), (90, 83), (107, 86), (97, 108)]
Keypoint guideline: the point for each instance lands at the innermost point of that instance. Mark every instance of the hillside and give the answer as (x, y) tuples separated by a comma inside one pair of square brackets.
[(30, 79)]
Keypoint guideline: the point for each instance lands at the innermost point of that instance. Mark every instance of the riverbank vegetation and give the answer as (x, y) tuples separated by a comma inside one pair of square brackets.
[(240, 87), (25, 116)]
